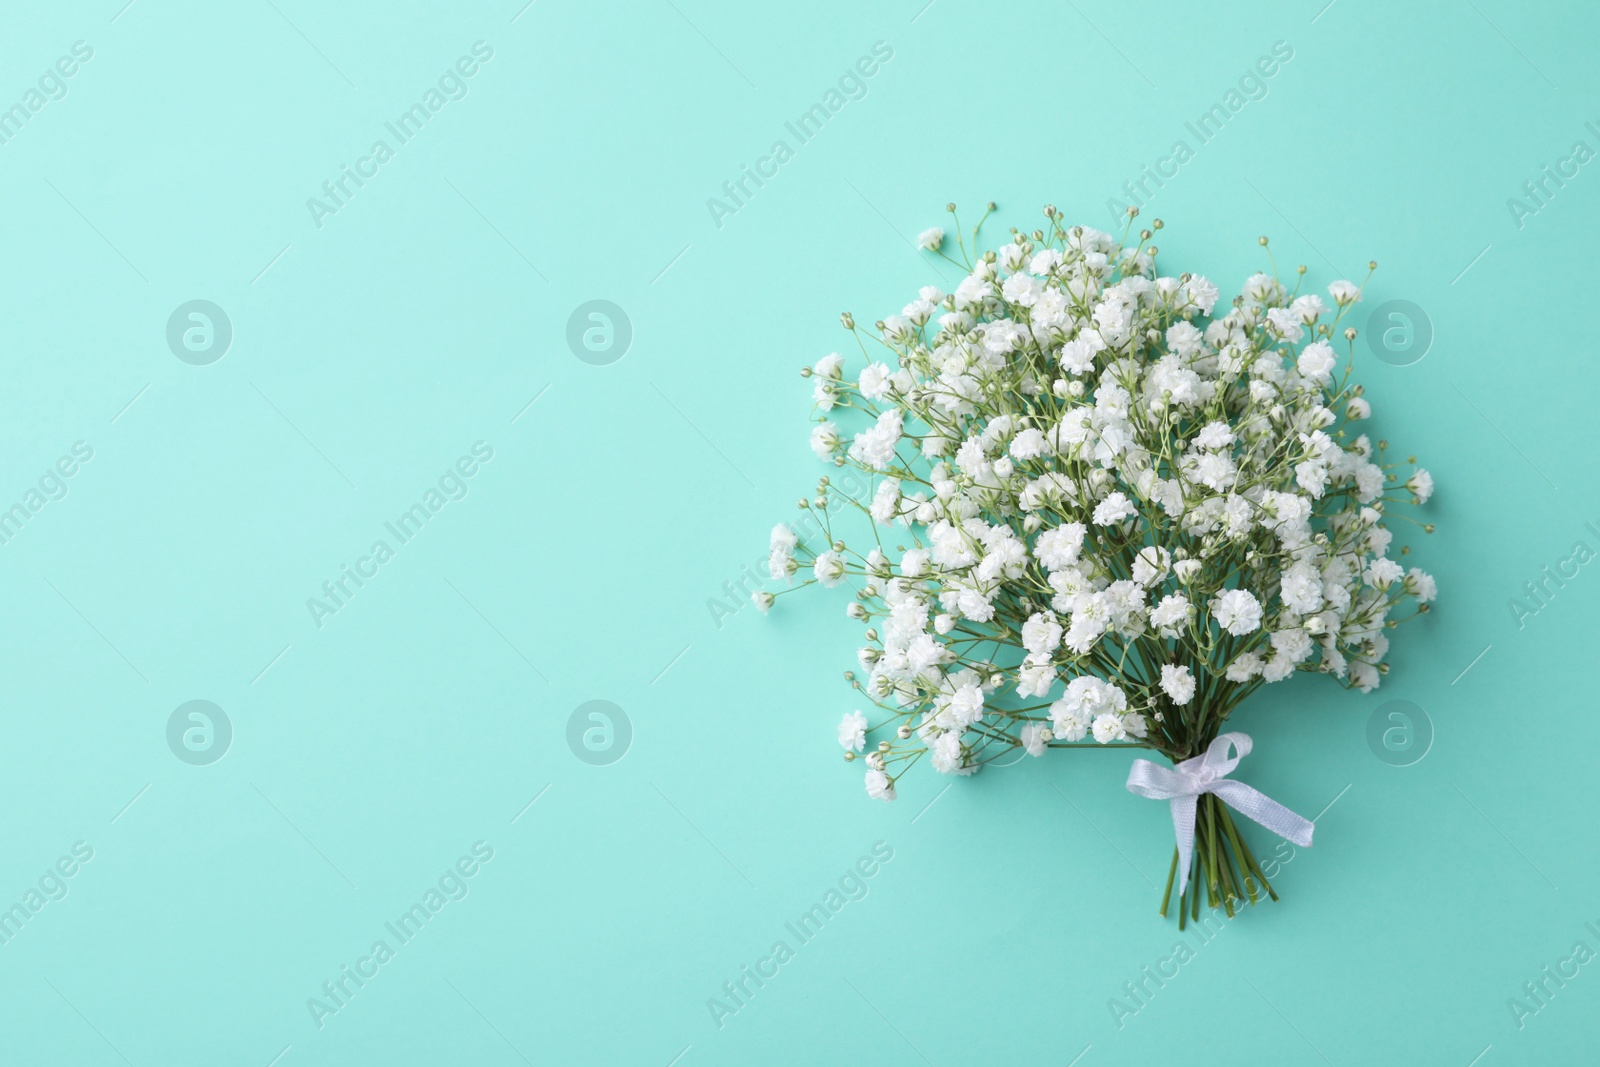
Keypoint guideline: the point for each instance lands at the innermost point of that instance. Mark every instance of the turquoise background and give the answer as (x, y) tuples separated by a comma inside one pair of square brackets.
[(585, 561)]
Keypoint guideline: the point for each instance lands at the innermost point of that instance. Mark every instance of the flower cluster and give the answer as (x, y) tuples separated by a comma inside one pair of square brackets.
[(1123, 506)]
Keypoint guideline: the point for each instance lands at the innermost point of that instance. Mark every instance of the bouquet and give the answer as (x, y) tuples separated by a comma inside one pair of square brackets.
[(1104, 511)]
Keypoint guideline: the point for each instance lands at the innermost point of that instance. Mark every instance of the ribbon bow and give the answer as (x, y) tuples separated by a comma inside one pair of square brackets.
[(1208, 773)]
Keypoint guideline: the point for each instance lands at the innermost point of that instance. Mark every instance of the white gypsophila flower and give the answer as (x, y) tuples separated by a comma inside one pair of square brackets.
[(1381, 573), (1068, 724), (1363, 675), (1317, 361), (1092, 696), (1308, 308), (1285, 324), (1421, 585), (1214, 435), (1112, 510), (1245, 667), (1178, 683), (780, 564), (829, 568), (1041, 634), (1059, 548), (1029, 444), (1150, 565), (886, 501), (824, 439), (1201, 293), (950, 757), (1109, 727), (1237, 612), (1301, 588), (1113, 478), (966, 705), (879, 787), (875, 381), (1035, 679), (853, 731), (875, 447), (1344, 292), (1421, 485), (1171, 615)]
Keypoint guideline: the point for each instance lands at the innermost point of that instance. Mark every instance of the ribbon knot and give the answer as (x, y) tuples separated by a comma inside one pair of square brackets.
[(1183, 783)]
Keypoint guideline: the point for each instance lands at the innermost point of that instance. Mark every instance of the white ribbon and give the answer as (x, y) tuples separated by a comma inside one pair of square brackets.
[(1208, 773)]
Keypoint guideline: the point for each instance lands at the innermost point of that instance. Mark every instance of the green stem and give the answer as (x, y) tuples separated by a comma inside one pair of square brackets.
[(1223, 866), (1172, 873), (1256, 867), (1207, 843), (1230, 875), (1220, 862), (1247, 862)]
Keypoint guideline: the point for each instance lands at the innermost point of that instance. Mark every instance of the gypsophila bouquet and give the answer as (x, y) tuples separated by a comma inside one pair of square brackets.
[(1124, 510)]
